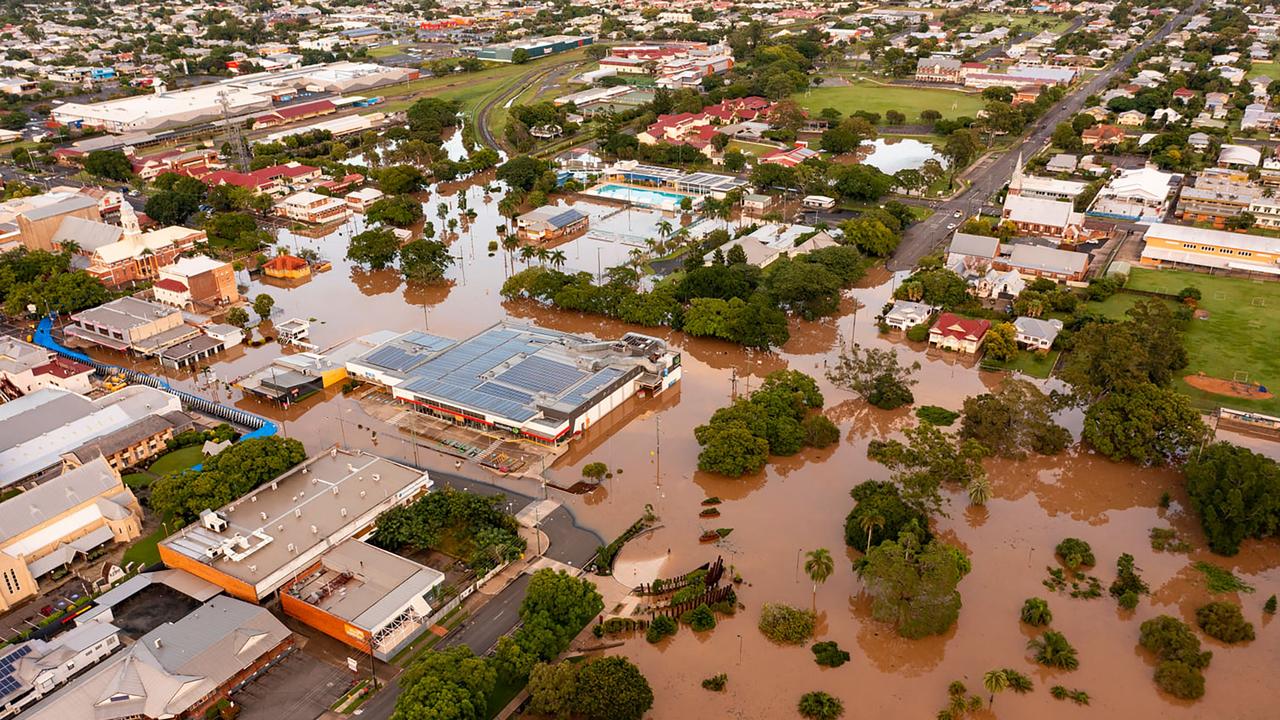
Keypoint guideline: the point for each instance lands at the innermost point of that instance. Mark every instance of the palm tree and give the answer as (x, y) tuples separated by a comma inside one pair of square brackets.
[(635, 253), (557, 258), (510, 243), (871, 522), (979, 490), (442, 211), (819, 566), (664, 227), (543, 254), (527, 253), (1036, 612), (1053, 650), (453, 225), (995, 681)]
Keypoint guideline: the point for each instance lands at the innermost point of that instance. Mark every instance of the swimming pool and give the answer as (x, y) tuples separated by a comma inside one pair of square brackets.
[(647, 197)]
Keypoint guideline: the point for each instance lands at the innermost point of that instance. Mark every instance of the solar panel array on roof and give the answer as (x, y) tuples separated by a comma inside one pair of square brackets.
[(538, 374), (434, 343), (584, 391), (8, 683), (568, 217), (394, 358)]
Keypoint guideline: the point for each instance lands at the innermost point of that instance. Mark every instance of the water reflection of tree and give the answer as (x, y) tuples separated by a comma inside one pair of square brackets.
[(427, 293), (375, 282), (1081, 485), (867, 422)]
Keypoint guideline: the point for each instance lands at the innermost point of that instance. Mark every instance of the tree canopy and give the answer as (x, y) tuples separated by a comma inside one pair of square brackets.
[(738, 439), (913, 585), (1013, 420), (1236, 493), (1145, 423), (450, 684), (224, 477)]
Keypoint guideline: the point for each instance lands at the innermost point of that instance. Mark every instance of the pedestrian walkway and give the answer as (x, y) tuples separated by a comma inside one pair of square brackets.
[(536, 511)]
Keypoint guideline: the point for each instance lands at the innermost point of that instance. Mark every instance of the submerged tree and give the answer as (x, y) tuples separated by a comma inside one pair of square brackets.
[(875, 374), (928, 459), (1014, 420), (913, 586)]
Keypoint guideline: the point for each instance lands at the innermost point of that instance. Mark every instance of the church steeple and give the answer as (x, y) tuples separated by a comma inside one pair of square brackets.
[(1015, 182)]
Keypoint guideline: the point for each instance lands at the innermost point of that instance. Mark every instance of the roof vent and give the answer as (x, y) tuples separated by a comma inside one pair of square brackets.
[(253, 498), (351, 468), (275, 485), (361, 493), (335, 490), (305, 469), (315, 480), (253, 568), (262, 515), (314, 530), (292, 548), (343, 512), (159, 644), (297, 512)]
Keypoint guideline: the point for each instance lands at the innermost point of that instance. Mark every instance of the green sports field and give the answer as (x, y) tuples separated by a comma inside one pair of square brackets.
[(872, 97), (1238, 335)]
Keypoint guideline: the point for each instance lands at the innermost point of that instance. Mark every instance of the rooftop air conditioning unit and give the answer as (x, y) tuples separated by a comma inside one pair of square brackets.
[(275, 485), (377, 477), (335, 490), (314, 530), (343, 512), (292, 548), (212, 521), (262, 515), (297, 512)]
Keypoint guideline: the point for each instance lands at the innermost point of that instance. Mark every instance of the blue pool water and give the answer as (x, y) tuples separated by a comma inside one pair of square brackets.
[(639, 196)]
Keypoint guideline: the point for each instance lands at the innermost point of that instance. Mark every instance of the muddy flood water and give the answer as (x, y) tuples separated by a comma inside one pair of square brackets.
[(799, 503)]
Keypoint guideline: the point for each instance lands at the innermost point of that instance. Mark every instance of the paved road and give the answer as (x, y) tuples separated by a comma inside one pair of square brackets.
[(570, 544), (524, 82), (991, 174)]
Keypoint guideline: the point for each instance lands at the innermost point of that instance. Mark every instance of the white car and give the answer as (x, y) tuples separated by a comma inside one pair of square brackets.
[(956, 214), (952, 226)]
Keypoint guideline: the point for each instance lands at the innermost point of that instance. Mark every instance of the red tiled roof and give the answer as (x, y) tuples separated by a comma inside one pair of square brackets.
[(952, 325), (170, 284), (61, 368), (285, 262)]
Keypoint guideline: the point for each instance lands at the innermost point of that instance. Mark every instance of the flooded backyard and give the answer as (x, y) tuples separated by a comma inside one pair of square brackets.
[(799, 503), (889, 155)]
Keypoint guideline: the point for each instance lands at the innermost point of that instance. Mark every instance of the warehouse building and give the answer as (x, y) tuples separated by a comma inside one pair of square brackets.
[(256, 93), (539, 384), (371, 599), (534, 47), (257, 544), (41, 432)]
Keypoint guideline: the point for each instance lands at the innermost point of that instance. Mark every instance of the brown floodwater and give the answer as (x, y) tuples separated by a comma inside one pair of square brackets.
[(799, 503)]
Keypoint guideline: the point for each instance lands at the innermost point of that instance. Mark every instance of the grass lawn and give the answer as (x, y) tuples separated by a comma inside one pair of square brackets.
[(179, 459), (1117, 305), (1238, 335), (1018, 23), (144, 549), (385, 51), (468, 88), (1270, 69), (138, 480), (1027, 363), (752, 148), (862, 95)]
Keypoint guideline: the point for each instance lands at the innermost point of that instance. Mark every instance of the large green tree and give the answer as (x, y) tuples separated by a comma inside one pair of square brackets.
[(612, 688), (448, 684), (224, 477), (913, 586), (375, 249), (395, 210), (927, 460), (1145, 423), (880, 514), (425, 260), (1013, 420), (108, 164), (1236, 492), (876, 374)]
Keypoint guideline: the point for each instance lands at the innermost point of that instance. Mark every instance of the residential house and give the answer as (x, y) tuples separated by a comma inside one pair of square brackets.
[(952, 332), (1035, 333), (906, 314), (1102, 136), (68, 517), (771, 241), (1131, 118)]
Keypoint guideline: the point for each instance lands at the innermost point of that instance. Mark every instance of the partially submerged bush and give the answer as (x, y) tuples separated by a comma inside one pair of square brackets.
[(1075, 553), (786, 625), (1223, 621), (829, 654)]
